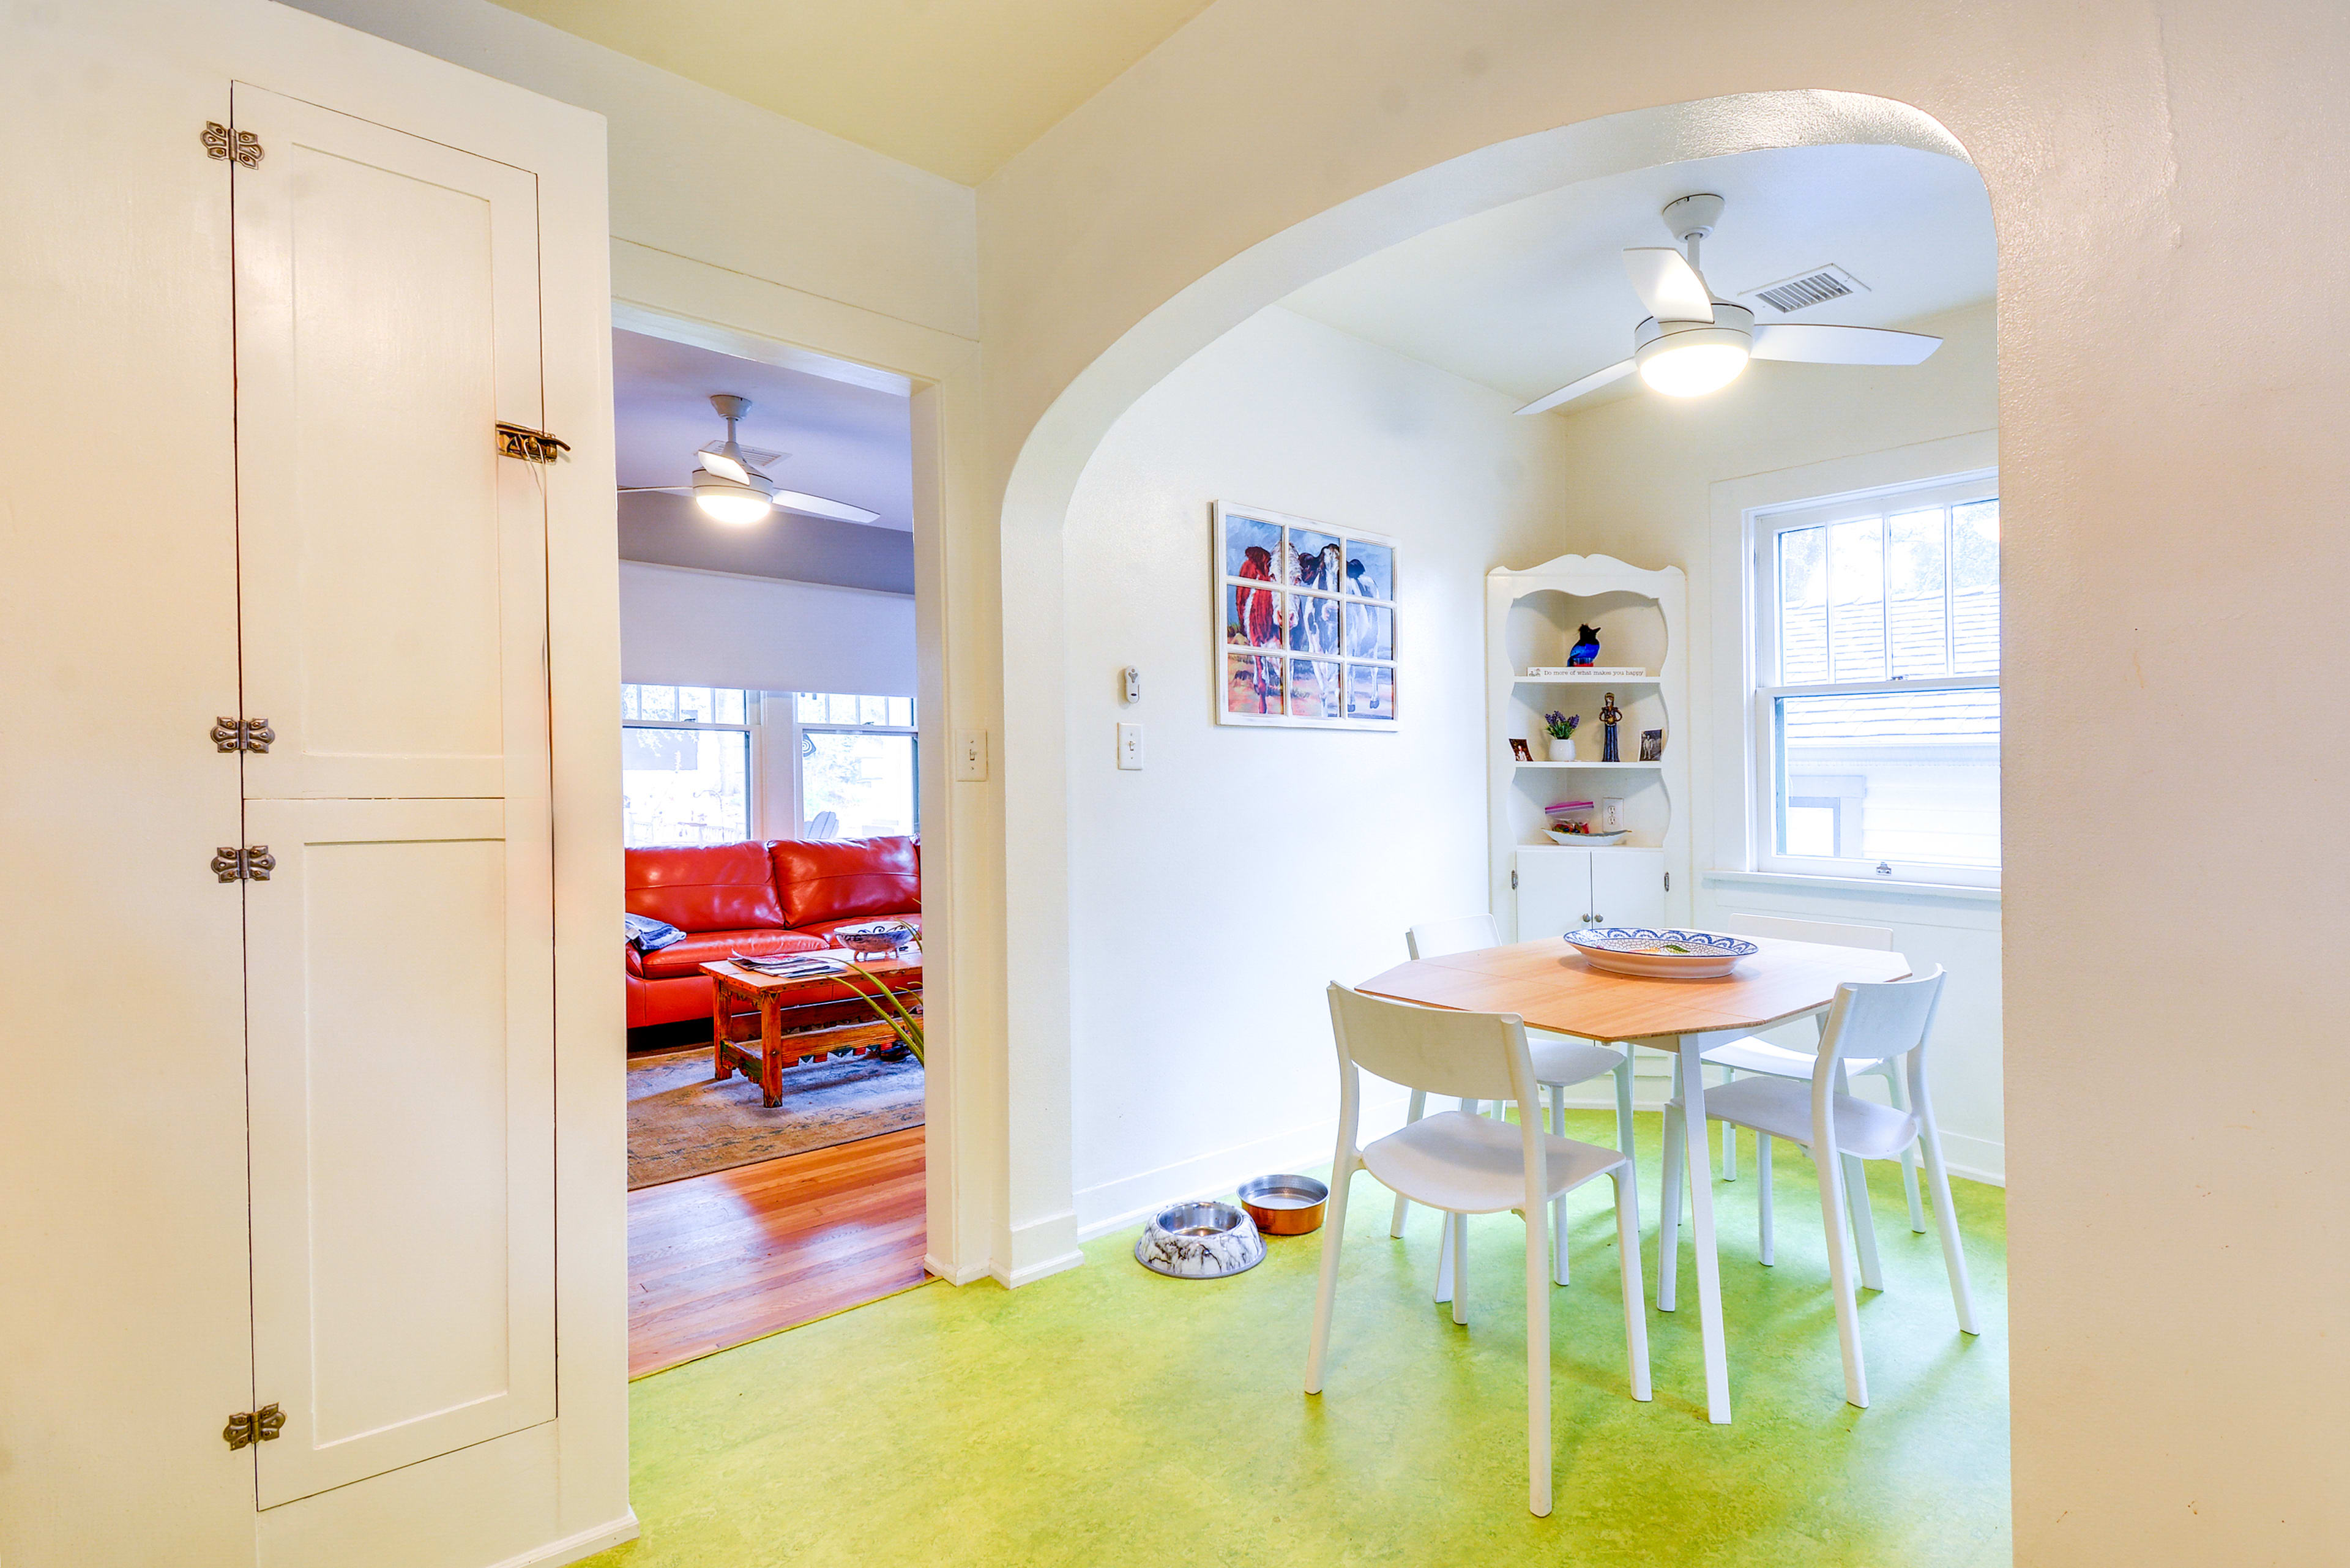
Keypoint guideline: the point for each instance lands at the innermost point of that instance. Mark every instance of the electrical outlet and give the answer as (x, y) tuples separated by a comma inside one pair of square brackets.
[(1129, 746), (971, 756), (1133, 684), (1611, 814)]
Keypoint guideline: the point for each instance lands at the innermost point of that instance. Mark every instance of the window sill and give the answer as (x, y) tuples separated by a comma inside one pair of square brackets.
[(1940, 892)]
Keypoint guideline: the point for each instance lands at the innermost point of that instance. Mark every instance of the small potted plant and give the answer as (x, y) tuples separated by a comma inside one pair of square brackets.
[(1560, 727)]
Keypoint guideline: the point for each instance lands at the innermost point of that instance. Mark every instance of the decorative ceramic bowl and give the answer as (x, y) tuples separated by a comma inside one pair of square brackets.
[(1659, 955), (1199, 1241), (1588, 840), (1284, 1205), (876, 939)]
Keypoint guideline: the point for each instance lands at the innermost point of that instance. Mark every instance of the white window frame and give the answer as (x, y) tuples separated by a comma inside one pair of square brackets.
[(754, 782), (1762, 526), (791, 706)]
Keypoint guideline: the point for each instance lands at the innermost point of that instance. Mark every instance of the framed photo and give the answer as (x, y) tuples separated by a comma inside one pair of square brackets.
[(1652, 745), (1518, 749), (1305, 619)]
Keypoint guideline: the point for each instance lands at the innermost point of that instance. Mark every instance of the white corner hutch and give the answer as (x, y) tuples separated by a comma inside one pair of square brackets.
[(1532, 620)]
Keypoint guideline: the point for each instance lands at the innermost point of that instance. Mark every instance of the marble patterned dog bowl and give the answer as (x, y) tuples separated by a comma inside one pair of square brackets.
[(1659, 955), (1199, 1241)]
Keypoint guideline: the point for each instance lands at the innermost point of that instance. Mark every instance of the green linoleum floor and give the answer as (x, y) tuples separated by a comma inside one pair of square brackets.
[(1109, 1415)]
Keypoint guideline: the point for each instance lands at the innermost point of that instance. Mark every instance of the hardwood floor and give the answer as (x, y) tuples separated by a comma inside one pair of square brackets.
[(720, 1259)]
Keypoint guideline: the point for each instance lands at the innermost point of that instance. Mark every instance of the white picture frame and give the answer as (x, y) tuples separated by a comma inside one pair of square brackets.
[(1303, 632)]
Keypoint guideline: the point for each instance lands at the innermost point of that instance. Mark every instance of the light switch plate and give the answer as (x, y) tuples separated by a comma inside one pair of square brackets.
[(1611, 814), (971, 756), (1129, 746)]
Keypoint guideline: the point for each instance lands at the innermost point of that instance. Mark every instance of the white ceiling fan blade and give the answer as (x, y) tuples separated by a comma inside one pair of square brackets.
[(818, 506), (1808, 343), (655, 489), (1573, 390), (1668, 284)]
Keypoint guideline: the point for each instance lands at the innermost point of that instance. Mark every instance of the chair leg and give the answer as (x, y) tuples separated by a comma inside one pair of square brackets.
[(1558, 1204), (1627, 1259), (1668, 1213), (1863, 1221), (1325, 1294), (1899, 1095), (1832, 1204), (1762, 1203), (1418, 1109), (1538, 1452), (1729, 1135), (1461, 1270), (1443, 1258), (1946, 1218)]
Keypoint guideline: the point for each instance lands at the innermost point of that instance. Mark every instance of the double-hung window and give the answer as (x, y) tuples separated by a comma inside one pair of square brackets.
[(857, 766), (685, 765), (1876, 683)]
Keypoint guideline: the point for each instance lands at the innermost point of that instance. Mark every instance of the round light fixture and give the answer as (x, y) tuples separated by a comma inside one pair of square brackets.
[(731, 500), (1687, 359)]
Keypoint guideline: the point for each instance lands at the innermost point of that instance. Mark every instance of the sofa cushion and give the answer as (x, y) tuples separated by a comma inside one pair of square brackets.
[(704, 887), (825, 879), (686, 958)]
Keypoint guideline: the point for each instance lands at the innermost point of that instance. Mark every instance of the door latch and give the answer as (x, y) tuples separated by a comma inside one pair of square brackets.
[(242, 734), (254, 863), (530, 445), (247, 1428)]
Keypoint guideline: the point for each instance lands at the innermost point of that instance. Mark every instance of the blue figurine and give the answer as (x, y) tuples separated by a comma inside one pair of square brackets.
[(1586, 650)]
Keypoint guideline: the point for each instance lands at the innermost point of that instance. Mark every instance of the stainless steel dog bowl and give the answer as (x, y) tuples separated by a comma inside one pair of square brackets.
[(1199, 1241), (1284, 1205)]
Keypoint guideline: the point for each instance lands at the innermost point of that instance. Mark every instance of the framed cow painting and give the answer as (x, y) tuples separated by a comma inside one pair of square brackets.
[(1305, 619)]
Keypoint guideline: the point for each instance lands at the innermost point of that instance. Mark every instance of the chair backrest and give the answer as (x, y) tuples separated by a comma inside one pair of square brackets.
[(1881, 1018), (825, 825), (1879, 938), (1475, 1055), (1465, 934)]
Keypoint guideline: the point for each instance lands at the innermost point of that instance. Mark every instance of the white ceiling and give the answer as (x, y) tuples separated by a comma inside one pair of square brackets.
[(846, 442), (1528, 297)]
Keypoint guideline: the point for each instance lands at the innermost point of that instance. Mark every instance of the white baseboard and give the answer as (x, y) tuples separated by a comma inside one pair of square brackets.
[(576, 1548), (940, 1268), (1129, 1200), (1042, 1247)]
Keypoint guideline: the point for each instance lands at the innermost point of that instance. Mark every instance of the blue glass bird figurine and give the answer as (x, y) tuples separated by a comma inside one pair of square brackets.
[(1586, 650)]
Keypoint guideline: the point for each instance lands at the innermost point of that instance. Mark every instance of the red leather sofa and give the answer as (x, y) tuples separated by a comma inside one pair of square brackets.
[(780, 896)]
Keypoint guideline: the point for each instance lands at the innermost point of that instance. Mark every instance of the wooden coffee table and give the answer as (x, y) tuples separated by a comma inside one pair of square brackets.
[(762, 1050)]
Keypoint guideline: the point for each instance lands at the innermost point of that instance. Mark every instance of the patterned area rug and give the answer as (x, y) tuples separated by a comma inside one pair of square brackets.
[(680, 1123)]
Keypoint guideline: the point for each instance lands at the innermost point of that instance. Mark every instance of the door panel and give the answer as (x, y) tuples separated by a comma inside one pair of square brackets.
[(392, 564), (1554, 891), (400, 963), (1628, 887)]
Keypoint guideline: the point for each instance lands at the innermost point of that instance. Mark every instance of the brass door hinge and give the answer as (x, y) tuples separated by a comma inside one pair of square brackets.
[(254, 863), (247, 1428), (242, 734), (220, 141), (530, 445)]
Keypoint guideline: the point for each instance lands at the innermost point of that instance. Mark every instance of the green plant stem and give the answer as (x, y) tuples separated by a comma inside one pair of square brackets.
[(886, 1006)]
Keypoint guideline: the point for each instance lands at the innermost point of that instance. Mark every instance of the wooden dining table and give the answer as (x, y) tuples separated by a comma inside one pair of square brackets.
[(1555, 988)]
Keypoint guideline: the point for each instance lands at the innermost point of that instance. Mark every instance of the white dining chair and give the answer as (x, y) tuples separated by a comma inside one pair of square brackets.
[(1886, 1019), (1462, 1164), (1560, 1061), (1751, 1053)]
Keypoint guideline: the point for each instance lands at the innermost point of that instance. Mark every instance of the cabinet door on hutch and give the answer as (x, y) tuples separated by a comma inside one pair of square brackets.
[(1628, 887)]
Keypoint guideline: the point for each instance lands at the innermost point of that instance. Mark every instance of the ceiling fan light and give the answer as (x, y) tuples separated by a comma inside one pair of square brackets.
[(731, 501), (1692, 369)]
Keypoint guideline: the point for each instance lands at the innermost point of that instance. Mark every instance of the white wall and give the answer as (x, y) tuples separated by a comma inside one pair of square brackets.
[(1228, 882), (1661, 480), (685, 628)]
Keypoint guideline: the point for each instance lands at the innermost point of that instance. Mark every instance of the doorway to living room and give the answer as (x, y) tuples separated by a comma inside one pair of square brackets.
[(771, 826)]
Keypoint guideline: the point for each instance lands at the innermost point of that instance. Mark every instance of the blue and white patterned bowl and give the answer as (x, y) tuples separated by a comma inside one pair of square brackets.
[(1659, 955)]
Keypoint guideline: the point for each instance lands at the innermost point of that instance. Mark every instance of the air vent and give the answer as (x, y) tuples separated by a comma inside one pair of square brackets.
[(1807, 289)]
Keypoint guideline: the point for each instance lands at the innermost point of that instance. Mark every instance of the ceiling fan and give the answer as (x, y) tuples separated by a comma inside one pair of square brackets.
[(1693, 343), (729, 486)]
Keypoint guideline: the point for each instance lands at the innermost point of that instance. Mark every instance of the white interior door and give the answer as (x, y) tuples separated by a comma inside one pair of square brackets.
[(400, 1051), (392, 565), (1554, 892), (1628, 887)]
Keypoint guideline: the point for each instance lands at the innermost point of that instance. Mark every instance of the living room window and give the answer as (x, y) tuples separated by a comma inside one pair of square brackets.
[(858, 759), (1876, 701), (686, 764)]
